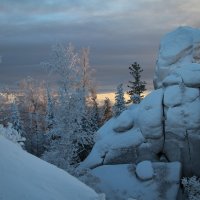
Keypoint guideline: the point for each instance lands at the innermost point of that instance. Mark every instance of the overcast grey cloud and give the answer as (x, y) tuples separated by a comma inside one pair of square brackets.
[(118, 33)]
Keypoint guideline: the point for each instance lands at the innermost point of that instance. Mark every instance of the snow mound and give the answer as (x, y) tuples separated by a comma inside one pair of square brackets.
[(23, 176), (144, 170), (124, 122), (119, 182)]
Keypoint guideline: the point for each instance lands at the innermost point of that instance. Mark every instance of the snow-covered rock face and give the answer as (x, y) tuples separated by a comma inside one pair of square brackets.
[(136, 135), (179, 58), (178, 75)]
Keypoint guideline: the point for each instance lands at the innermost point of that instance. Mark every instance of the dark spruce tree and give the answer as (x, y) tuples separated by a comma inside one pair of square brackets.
[(137, 87)]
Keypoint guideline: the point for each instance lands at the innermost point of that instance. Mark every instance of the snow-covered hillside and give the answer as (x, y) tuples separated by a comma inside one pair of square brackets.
[(26, 177)]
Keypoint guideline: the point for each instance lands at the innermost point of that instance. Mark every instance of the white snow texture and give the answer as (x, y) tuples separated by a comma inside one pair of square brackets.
[(26, 177)]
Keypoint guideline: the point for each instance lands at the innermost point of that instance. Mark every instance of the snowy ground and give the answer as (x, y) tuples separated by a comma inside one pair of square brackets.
[(120, 182), (26, 177)]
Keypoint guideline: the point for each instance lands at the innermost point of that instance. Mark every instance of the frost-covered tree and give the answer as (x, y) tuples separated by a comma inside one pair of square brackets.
[(69, 138), (106, 111), (137, 86), (32, 102), (5, 95), (10, 133), (94, 114), (15, 118), (86, 72), (119, 105), (64, 63), (73, 130), (84, 127), (38, 135)]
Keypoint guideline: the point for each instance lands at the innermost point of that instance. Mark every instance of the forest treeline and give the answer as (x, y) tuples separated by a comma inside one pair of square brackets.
[(60, 123)]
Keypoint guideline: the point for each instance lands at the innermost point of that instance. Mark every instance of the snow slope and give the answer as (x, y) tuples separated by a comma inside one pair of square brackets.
[(26, 177)]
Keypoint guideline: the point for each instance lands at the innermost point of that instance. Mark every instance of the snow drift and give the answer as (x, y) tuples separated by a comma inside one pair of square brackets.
[(26, 177)]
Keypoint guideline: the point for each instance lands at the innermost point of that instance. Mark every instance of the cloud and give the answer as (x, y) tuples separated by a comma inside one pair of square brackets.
[(118, 33)]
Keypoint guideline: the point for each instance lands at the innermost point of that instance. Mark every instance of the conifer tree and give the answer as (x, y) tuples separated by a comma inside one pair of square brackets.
[(94, 110), (15, 118), (137, 87), (119, 105), (107, 111)]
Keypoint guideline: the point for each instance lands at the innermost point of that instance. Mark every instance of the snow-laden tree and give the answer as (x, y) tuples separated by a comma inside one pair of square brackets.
[(10, 133), (137, 86), (69, 135), (15, 118), (64, 63), (86, 72), (32, 103), (119, 105), (94, 114), (5, 95), (38, 135), (106, 111)]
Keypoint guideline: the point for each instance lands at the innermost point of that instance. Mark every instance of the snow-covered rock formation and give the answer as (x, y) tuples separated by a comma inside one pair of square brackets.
[(165, 127), (178, 74), (26, 177)]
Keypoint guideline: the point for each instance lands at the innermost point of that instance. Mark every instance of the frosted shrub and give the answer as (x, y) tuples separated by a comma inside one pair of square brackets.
[(192, 187), (11, 134)]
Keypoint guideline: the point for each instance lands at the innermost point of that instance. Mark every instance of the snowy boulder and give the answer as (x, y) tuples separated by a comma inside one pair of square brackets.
[(175, 45), (114, 148), (144, 170), (172, 79), (178, 53), (24, 176), (179, 94), (150, 115), (182, 118), (173, 96), (164, 126), (124, 122), (190, 74), (119, 182), (122, 155), (150, 149), (178, 74)]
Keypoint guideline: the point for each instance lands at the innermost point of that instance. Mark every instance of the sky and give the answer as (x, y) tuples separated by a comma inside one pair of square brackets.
[(118, 33)]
